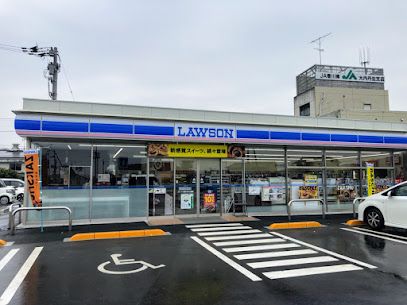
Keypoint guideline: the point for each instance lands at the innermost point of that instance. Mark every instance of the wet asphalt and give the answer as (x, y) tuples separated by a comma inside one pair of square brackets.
[(67, 272)]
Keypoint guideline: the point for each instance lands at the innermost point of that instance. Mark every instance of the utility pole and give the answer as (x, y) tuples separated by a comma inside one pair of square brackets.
[(53, 69)]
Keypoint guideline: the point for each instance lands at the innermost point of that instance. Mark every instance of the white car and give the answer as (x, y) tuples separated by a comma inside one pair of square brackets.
[(18, 186), (387, 208), (7, 194)]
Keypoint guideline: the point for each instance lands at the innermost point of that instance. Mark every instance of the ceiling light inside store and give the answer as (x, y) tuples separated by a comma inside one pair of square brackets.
[(117, 152), (69, 146)]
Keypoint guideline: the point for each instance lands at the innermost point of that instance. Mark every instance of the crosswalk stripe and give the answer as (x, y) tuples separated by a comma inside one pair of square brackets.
[(19, 277), (258, 248), (294, 261), (227, 260), (273, 275), (220, 228), (234, 237), (229, 232), (340, 256), (274, 254), (208, 225), (249, 242), (7, 258)]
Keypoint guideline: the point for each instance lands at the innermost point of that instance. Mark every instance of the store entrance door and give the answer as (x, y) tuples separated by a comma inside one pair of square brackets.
[(186, 186), (197, 186)]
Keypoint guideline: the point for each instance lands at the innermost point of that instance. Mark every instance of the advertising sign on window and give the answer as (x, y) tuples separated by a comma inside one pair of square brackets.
[(308, 192), (187, 201), (209, 202), (195, 151), (370, 179)]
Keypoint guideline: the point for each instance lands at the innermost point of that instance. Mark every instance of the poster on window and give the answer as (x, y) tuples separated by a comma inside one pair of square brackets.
[(308, 192), (345, 193), (209, 202), (187, 201)]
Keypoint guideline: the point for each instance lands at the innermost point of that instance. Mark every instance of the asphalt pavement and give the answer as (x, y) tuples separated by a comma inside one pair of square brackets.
[(228, 263)]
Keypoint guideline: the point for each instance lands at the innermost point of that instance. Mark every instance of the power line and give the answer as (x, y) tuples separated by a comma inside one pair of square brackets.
[(66, 77)]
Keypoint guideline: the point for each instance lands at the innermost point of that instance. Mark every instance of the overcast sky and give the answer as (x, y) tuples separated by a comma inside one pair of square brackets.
[(227, 55)]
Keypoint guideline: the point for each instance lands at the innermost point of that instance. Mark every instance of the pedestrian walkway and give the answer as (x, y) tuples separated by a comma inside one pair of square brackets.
[(273, 255), (6, 262)]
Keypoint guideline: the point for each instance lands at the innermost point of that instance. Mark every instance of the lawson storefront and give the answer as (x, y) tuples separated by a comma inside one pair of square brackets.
[(127, 163)]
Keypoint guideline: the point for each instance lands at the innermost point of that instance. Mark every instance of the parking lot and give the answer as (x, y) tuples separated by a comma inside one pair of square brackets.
[(208, 263)]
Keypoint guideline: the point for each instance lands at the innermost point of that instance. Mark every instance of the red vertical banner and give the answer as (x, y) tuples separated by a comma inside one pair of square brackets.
[(32, 176)]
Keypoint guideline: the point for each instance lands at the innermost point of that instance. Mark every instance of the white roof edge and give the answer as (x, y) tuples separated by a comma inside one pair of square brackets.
[(31, 105)]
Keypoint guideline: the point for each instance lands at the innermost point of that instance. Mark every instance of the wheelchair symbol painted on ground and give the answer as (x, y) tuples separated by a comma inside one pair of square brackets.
[(118, 262)]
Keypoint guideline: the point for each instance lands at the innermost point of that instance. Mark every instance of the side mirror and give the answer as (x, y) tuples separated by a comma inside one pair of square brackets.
[(389, 193)]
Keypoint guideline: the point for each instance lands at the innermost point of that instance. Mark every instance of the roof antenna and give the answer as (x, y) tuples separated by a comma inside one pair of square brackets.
[(364, 57), (320, 49)]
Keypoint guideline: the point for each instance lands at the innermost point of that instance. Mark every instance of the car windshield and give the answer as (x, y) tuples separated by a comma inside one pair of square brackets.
[(2, 184)]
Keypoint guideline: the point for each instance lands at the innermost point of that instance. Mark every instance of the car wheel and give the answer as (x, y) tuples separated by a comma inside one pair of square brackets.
[(20, 197), (374, 219), (4, 200)]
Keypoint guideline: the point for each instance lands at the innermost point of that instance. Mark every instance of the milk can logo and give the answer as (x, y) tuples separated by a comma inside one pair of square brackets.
[(204, 132), (349, 76)]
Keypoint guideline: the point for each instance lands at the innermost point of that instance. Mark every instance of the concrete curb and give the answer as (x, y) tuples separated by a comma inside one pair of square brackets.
[(354, 222), (294, 225), (116, 234)]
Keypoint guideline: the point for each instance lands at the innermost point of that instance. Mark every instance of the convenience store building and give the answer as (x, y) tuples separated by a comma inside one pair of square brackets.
[(119, 163)]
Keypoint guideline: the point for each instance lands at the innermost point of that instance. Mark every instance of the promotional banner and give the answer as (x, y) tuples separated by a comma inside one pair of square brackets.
[(195, 151), (187, 201), (308, 192), (209, 202), (32, 176), (370, 179)]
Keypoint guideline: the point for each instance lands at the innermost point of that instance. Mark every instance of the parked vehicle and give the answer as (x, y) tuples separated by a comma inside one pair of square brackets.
[(18, 186), (7, 193), (387, 208)]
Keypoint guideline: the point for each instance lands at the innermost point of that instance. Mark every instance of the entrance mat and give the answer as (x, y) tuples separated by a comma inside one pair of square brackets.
[(239, 218), (164, 221)]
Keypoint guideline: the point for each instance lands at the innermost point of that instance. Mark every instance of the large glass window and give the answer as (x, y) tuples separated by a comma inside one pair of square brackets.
[(265, 178), (119, 181), (304, 158), (342, 158), (232, 179), (65, 176)]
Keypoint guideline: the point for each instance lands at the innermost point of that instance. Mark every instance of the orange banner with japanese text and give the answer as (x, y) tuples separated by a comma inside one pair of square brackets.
[(32, 176)]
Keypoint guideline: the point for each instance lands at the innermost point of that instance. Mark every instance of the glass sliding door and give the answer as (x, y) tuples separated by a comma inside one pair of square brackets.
[(161, 187), (209, 186), (186, 187), (232, 180)]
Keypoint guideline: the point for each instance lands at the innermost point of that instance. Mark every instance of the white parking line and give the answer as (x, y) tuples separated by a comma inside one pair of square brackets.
[(19, 277), (208, 225), (274, 254), (293, 261), (229, 232), (355, 261), (249, 242), (380, 233), (375, 235), (7, 258), (227, 260), (259, 248), (220, 228), (310, 271), (234, 237)]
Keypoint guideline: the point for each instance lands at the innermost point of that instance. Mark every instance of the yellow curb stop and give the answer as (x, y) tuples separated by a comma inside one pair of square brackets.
[(2, 242), (295, 225), (354, 222), (116, 234)]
